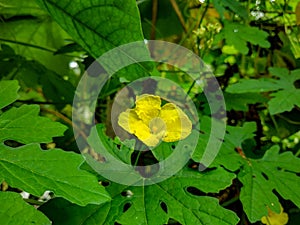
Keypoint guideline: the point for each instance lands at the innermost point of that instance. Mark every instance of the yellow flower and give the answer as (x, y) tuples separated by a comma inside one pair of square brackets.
[(151, 123), (274, 218)]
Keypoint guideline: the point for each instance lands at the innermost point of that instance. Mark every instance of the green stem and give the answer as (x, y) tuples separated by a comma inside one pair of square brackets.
[(28, 45), (288, 120), (190, 88), (229, 202), (32, 46), (137, 158), (199, 26), (198, 43), (33, 202), (275, 123)]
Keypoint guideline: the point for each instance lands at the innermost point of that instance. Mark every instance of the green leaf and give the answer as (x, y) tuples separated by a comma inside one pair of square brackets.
[(146, 203), (8, 92), (14, 210), (260, 178), (24, 125), (125, 150), (35, 171), (102, 26), (8, 60), (286, 95), (227, 155), (31, 74), (62, 212), (97, 26), (19, 7), (122, 153), (69, 48), (293, 38), (241, 101), (233, 5), (205, 135), (54, 86), (236, 135), (32, 34), (238, 35), (253, 86), (163, 150), (181, 205), (285, 99)]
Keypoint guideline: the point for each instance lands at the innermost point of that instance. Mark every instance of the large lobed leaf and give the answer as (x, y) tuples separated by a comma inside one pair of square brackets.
[(100, 26), (25, 126), (14, 210), (35, 171), (238, 35), (180, 204), (240, 102), (97, 25), (227, 155), (261, 177), (286, 95), (233, 5), (153, 204)]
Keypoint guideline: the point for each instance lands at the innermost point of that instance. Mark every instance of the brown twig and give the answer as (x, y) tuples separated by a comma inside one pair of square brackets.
[(179, 14), (65, 119), (154, 18)]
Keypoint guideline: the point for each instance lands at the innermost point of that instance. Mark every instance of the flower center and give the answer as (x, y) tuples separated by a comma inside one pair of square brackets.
[(157, 126)]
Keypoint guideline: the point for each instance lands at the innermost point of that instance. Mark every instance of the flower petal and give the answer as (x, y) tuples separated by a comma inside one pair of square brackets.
[(152, 140), (274, 218), (127, 120), (178, 125), (147, 107), (130, 122)]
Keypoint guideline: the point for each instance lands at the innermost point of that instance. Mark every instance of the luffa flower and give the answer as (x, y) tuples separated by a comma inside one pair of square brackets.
[(274, 218), (150, 122)]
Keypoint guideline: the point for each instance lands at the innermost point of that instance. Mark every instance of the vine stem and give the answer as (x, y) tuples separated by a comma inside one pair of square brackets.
[(154, 19), (275, 123), (198, 43), (229, 202), (288, 120), (179, 14), (66, 120), (34, 46), (137, 158), (42, 103), (33, 202), (28, 45)]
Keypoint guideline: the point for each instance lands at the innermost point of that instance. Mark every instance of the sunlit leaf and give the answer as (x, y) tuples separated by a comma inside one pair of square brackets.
[(233, 5), (25, 126), (286, 95), (8, 92), (238, 35), (14, 210), (35, 171), (153, 204), (260, 177)]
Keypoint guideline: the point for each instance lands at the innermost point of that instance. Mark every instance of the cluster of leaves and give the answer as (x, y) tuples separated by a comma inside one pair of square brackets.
[(255, 59)]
